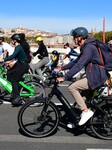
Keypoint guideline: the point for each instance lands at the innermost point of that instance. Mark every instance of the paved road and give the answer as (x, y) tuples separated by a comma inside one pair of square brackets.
[(63, 139)]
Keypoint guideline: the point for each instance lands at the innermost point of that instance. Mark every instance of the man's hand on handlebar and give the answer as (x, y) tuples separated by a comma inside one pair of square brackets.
[(60, 79), (58, 69)]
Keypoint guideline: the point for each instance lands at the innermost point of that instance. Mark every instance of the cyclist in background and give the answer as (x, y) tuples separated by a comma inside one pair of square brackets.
[(70, 53), (16, 70), (1, 53), (109, 44), (95, 74), (42, 55), (55, 58), (7, 49), (25, 46)]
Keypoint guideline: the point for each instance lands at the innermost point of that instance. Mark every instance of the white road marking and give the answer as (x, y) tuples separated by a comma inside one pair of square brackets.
[(97, 149), (4, 102), (58, 104)]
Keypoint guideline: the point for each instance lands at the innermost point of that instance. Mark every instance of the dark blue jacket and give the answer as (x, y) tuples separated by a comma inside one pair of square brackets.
[(90, 60)]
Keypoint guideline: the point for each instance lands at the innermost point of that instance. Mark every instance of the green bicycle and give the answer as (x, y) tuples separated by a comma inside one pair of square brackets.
[(28, 87)]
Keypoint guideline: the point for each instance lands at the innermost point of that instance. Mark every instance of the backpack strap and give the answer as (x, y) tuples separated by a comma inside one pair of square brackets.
[(101, 58), (91, 65)]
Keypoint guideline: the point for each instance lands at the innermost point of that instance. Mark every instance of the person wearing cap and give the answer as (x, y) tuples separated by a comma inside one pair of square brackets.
[(69, 53), (95, 74), (42, 55)]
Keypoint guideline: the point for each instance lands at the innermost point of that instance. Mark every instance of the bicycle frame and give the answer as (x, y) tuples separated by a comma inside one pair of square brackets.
[(67, 107), (8, 86)]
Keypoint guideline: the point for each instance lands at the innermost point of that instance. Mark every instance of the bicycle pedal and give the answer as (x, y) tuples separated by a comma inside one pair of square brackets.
[(25, 99), (71, 125)]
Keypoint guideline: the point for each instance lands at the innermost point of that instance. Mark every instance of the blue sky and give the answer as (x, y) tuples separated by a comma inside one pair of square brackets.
[(59, 16)]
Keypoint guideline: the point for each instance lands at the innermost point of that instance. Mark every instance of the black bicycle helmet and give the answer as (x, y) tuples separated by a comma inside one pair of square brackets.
[(22, 36), (80, 31), (2, 38), (16, 37), (54, 52)]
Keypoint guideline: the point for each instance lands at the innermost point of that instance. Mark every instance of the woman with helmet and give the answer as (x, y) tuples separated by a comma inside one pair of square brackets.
[(55, 58), (25, 46), (15, 73), (95, 73), (42, 55)]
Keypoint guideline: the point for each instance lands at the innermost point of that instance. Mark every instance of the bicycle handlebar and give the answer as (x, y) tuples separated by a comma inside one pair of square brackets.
[(52, 79), (57, 74)]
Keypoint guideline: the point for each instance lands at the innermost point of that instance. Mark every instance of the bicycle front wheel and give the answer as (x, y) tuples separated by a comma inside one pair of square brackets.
[(101, 122), (38, 119), (38, 89)]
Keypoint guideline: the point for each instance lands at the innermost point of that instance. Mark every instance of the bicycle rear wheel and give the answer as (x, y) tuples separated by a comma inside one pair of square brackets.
[(101, 122), (35, 122), (39, 90)]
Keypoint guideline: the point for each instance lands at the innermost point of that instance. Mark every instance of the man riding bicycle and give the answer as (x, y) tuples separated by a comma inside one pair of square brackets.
[(95, 74)]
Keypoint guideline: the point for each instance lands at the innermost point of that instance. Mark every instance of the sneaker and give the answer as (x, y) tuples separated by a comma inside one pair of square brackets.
[(71, 125), (17, 101), (85, 116)]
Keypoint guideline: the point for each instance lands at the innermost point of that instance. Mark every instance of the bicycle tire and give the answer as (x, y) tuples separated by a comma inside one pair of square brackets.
[(33, 123), (39, 89), (34, 77), (101, 123)]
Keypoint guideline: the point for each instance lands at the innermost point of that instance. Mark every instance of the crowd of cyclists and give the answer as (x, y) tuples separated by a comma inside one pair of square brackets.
[(17, 57)]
